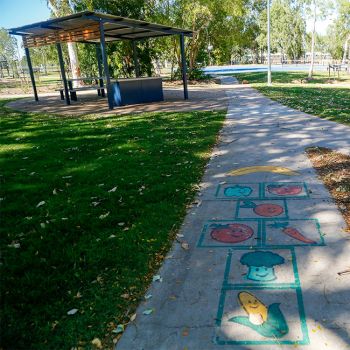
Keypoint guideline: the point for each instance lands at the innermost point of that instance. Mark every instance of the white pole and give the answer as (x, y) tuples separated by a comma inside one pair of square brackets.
[(268, 45)]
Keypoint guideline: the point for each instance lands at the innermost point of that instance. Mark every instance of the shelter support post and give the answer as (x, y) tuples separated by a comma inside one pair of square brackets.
[(31, 73), (63, 73), (100, 73), (136, 61), (183, 65), (105, 67)]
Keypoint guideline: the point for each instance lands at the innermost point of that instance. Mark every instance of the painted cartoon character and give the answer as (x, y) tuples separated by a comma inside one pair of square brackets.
[(238, 191), (267, 321), (292, 232), (231, 233), (261, 265), (264, 209), (284, 189)]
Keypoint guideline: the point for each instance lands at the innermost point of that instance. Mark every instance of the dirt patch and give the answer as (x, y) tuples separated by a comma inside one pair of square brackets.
[(202, 97), (334, 170)]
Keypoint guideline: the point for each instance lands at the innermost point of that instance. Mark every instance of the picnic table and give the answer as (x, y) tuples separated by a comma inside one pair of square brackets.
[(336, 68), (98, 85), (137, 90), (124, 91)]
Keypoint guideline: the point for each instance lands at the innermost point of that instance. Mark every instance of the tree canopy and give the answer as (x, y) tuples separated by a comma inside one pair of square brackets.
[(224, 31)]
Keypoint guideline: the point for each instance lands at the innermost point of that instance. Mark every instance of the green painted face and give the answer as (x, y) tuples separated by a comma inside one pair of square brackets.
[(261, 273)]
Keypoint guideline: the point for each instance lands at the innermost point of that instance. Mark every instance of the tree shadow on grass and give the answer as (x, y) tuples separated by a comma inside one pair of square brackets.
[(112, 192)]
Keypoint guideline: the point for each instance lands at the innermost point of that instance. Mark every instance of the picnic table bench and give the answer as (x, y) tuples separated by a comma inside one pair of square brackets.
[(73, 90), (336, 68)]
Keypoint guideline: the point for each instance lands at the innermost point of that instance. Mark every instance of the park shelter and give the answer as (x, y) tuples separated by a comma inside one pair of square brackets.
[(99, 29)]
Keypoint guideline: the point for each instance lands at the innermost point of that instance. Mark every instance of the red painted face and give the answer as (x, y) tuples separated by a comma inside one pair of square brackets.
[(284, 190), (268, 210), (232, 233)]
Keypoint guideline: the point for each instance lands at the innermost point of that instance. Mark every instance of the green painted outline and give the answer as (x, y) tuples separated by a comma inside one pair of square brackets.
[(238, 247), (227, 287), (261, 191), (304, 341), (284, 200), (303, 325), (261, 285), (218, 188), (293, 197), (280, 246)]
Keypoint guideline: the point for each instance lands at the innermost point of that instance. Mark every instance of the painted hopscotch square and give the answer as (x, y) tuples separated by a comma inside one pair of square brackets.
[(292, 233), (232, 233), (261, 267), (234, 191), (258, 316), (262, 209), (290, 190)]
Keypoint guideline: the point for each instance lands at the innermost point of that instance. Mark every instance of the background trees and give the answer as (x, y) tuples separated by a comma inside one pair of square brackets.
[(229, 31), (288, 29), (8, 52)]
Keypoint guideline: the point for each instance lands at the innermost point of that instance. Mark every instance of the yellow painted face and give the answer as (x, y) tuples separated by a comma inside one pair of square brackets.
[(252, 305)]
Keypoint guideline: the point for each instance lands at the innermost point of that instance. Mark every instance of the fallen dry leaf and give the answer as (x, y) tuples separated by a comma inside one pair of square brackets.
[(157, 278), (14, 245), (185, 246), (120, 329), (148, 311), (103, 216), (97, 342), (72, 312)]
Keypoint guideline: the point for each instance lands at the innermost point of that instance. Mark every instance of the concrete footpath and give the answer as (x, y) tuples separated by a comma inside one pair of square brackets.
[(265, 244)]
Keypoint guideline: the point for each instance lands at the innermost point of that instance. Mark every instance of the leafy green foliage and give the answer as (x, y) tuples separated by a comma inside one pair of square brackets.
[(89, 208), (288, 29), (338, 33), (7, 46)]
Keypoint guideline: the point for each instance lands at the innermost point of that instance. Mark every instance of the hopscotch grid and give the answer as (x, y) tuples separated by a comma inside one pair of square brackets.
[(285, 217), (205, 230), (262, 191), (261, 245), (262, 285), (280, 246)]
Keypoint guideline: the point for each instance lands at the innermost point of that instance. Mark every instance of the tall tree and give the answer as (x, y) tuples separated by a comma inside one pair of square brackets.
[(316, 10), (288, 28), (8, 45), (62, 8), (342, 24), (8, 52)]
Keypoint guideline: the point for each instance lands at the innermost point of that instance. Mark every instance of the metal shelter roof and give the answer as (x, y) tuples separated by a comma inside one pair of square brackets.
[(84, 27)]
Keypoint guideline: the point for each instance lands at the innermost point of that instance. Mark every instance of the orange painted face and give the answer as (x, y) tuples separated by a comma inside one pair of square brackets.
[(232, 233), (284, 190), (268, 210)]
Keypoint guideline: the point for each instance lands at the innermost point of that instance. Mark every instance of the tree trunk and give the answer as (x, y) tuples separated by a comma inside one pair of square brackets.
[(74, 62), (346, 46), (311, 70), (72, 48)]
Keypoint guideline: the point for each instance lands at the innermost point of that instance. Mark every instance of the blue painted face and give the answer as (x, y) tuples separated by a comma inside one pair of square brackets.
[(238, 191), (261, 273)]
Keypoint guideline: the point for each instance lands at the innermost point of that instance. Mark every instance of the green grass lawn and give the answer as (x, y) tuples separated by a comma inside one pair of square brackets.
[(89, 207), (41, 80), (317, 97)]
